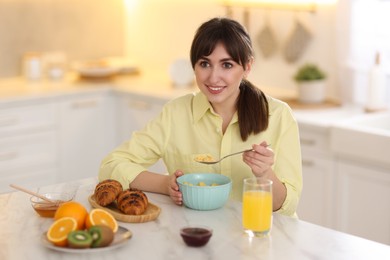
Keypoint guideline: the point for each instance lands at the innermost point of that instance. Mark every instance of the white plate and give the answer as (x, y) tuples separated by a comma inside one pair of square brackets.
[(104, 67), (96, 71), (125, 66), (121, 237)]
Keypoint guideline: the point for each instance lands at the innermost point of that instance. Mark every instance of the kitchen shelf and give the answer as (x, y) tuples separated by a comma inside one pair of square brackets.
[(296, 104), (301, 7)]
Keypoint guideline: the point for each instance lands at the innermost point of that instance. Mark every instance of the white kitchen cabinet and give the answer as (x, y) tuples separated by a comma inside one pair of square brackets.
[(363, 199), (28, 143), (87, 133), (134, 112), (27, 117), (316, 203)]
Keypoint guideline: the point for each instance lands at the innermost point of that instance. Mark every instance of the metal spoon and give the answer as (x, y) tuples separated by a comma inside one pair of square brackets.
[(214, 162)]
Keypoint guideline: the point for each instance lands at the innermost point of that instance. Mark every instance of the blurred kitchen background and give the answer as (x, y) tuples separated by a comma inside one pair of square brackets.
[(345, 35), (58, 122)]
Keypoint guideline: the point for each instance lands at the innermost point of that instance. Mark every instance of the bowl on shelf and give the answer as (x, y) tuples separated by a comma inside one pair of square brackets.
[(196, 236), (48, 209), (204, 191)]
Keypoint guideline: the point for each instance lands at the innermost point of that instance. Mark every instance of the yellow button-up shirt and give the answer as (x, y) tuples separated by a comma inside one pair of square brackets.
[(188, 127)]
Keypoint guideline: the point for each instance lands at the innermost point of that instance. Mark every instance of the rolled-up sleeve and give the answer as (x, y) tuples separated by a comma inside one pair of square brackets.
[(288, 166)]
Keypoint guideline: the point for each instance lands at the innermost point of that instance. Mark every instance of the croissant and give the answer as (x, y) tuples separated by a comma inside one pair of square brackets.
[(107, 191), (132, 202)]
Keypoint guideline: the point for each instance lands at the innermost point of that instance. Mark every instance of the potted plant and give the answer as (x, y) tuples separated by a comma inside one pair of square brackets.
[(311, 83)]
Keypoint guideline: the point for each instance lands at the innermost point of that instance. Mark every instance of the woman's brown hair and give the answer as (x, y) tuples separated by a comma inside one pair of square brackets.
[(252, 104)]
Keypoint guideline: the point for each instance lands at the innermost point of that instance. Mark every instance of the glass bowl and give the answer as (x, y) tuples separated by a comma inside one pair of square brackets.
[(196, 236), (47, 209)]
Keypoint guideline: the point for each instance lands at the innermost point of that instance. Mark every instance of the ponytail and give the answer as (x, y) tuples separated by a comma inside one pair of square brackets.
[(252, 110)]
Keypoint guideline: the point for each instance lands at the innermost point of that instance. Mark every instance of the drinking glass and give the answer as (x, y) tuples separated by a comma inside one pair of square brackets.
[(257, 206)]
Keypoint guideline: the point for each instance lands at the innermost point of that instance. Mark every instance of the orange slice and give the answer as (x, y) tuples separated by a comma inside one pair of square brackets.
[(101, 217), (59, 230)]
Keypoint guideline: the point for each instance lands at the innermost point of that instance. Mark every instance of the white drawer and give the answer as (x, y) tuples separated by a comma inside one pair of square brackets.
[(27, 150), (27, 118), (314, 140), (28, 178)]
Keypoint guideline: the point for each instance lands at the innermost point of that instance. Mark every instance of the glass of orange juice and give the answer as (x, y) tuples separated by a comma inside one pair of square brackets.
[(257, 206)]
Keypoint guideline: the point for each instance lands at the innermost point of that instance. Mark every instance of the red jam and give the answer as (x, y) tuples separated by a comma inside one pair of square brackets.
[(196, 236)]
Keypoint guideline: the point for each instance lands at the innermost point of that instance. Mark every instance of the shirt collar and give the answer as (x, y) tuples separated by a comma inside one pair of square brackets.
[(201, 106)]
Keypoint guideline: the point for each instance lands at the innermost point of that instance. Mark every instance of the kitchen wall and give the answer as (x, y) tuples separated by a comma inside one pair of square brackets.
[(363, 33), (81, 28), (156, 32), (160, 31)]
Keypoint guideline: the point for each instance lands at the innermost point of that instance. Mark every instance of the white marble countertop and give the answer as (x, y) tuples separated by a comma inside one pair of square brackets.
[(21, 229), (155, 86), (152, 84)]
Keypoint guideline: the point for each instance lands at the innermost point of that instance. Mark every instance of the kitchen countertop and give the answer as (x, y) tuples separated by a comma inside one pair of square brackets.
[(156, 86), (21, 230), (152, 84)]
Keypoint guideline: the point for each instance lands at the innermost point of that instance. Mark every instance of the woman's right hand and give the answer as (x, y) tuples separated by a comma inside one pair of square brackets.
[(173, 188)]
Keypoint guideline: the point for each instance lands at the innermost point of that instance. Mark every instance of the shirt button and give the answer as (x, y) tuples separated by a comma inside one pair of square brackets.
[(217, 130)]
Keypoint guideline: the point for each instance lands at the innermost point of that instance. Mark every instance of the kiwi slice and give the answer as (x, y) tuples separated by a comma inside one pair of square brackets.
[(79, 239), (101, 235)]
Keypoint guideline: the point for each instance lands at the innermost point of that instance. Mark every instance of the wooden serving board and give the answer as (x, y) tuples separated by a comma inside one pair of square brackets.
[(151, 213)]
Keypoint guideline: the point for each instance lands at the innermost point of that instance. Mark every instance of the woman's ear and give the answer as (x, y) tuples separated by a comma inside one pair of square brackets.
[(248, 67)]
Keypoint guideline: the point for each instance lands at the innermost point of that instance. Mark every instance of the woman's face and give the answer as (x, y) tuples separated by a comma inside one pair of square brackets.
[(219, 77)]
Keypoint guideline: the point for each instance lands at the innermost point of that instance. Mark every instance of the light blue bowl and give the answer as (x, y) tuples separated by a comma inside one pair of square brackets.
[(204, 197)]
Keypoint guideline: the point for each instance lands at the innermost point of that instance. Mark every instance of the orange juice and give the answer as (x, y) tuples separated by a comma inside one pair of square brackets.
[(257, 211)]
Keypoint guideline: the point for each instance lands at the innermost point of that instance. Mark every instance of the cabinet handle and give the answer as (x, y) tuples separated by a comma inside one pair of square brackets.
[(308, 141), (138, 104), (84, 104), (9, 121), (307, 163), (8, 156)]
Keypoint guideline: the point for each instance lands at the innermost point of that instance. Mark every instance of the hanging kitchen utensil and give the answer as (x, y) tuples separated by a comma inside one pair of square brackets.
[(266, 40), (297, 42)]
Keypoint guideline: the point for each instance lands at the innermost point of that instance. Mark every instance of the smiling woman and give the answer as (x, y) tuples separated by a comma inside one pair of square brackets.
[(228, 114)]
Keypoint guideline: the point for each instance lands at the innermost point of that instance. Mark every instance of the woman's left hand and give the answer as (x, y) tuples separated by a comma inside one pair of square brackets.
[(260, 160), (173, 188)]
